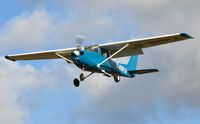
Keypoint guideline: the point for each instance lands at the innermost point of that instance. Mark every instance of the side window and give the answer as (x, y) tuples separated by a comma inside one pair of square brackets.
[(104, 54), (108, 53)]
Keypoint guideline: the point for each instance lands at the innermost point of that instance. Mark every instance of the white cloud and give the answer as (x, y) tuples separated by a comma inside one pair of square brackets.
[(17, 80), (26, 31), (12, 80)]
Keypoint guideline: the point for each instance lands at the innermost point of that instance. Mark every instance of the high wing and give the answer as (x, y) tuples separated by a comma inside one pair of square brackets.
[(51, 54), (132, 47), (135, 46)]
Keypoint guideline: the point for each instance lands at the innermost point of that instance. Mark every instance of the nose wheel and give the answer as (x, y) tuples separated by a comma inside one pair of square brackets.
[(82, 77)]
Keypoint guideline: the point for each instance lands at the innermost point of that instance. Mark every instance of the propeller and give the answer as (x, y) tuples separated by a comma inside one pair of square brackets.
[(79, 42)]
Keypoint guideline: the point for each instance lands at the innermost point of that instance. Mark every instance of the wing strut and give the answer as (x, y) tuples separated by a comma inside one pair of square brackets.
[(69, 61), (98, 65)]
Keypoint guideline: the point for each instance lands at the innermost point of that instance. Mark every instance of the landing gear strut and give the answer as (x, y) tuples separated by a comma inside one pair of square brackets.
[(82, 78)]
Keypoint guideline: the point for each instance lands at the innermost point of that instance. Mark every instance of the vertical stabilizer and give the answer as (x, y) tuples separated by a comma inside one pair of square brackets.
[(132, 63)]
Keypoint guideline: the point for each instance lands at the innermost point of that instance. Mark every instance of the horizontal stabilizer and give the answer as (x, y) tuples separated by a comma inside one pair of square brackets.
[(144, 71)]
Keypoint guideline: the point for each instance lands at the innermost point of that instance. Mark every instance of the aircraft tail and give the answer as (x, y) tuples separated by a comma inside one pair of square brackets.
[(132, 63)]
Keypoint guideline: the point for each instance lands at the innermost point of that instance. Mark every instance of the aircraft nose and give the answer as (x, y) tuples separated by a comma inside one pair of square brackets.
[(77, 53)]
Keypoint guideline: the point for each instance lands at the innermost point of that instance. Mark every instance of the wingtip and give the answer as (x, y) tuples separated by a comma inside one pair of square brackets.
[(9, 58), (186, 35)]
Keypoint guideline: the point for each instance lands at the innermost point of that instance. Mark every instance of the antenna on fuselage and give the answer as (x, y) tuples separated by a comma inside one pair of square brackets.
[(79, 42)]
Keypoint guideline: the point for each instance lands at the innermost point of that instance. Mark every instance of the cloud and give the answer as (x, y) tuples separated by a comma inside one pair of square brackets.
[(26, 31), (40, 28), (12, 81), (20, 79)]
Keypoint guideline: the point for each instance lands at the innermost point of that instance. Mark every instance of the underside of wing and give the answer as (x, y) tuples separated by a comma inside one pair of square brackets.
[(51, 54), (135, 46)]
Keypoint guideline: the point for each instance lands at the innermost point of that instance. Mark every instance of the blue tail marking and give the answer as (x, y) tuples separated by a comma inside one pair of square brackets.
[(132, 64)]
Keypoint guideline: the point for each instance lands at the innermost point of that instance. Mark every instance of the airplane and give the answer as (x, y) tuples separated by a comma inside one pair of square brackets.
[(98, 58)]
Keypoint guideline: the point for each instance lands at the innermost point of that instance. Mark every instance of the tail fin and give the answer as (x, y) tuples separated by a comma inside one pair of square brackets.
[(132, 64)]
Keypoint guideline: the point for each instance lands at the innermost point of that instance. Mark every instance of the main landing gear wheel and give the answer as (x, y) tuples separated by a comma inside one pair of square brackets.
[(76, 82), (82, 77), (117, 78)]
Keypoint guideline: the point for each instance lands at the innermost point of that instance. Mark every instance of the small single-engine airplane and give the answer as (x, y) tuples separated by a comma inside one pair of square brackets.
[(98, 58)]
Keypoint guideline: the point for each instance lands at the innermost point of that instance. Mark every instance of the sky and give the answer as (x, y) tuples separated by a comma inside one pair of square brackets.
[(42, 92)]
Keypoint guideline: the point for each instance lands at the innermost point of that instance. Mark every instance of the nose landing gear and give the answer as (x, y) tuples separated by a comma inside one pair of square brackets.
[(82, 78)]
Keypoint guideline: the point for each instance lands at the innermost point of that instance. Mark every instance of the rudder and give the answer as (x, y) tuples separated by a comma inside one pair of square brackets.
[(132, 63)]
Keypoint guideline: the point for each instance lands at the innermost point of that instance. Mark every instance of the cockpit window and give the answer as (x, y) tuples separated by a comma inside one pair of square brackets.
[(95, 50), (106, 54)]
